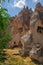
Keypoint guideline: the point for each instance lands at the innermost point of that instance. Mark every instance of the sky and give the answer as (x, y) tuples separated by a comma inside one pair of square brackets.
[(15, 6)]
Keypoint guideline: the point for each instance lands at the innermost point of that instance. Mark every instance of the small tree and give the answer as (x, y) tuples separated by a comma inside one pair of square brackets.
[(4, 31)]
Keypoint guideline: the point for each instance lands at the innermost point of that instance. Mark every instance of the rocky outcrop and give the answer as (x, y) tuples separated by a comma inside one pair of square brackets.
[(39, 7), (37, 32), (20, 24), (25, 16)]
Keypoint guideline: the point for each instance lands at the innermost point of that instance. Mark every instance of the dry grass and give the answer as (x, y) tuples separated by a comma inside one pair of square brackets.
[(16, 59), (12, 51)]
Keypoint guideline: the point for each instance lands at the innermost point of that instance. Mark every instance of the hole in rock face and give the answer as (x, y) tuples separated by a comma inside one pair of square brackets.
[(14, 42), (40, 29)]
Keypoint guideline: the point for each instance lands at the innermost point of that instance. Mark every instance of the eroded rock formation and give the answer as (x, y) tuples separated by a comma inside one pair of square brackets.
[(20, 24)]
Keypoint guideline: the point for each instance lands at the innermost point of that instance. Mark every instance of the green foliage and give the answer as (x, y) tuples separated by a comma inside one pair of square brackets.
[(4, 41), (4, 18), (2, 55), (5, 35), (4, 27)]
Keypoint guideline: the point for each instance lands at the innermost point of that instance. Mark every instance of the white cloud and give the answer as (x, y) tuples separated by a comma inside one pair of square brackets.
[(35, 0), (19, 3)]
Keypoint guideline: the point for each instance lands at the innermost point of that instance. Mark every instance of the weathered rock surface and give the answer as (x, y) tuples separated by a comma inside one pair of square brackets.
[(20, 24)]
